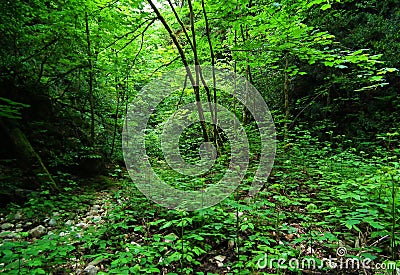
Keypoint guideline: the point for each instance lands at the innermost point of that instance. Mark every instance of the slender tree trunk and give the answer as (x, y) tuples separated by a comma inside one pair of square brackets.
[(328, 102), (234, 84), (194, 82), (181, 24), (193, 46), (90, 62), (198, 71), (215, 117), (29, 158), (116, 114), (286, 94), (246, 114)]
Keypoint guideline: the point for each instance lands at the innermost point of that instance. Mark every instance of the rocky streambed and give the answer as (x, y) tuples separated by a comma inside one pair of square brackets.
[(17, 227)]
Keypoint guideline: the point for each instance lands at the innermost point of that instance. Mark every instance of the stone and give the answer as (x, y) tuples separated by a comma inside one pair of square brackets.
[(28, 224), (96, 207), (6, 226), (91, 270), (38, 231), (82, 224), (220, 258), (97, 261), (13, 235), (52, 222), (17, 216)]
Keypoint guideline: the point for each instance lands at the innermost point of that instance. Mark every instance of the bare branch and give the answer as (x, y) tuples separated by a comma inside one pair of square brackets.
[(181, 24), (136, 36), (164, 65), (128, 33)]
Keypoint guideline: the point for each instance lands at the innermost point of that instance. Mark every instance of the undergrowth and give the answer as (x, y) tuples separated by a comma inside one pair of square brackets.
[(318, 200)]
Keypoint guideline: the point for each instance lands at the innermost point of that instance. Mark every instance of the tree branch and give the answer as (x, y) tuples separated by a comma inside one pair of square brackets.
[(127, 34), (164, 65), (185, 63), (53, 41), (136, 36), (181, 24)]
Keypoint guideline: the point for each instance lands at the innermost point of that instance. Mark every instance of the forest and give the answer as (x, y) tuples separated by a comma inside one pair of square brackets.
[(199, 137)]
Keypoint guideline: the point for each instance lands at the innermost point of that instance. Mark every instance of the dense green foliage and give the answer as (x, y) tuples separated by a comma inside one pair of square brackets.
[(326, 69)]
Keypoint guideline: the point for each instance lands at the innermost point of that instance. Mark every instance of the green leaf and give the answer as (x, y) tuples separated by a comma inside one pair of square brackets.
[(376, 225), (351, 223), (326, 6), (39, 271)]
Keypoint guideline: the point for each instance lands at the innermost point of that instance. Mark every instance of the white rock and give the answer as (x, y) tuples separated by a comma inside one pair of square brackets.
[(17, 216), (69, 223), (96, 207), (82, 224), (91, 270), (6, 226), (220, 258), (28, 224), (38, 231), (135, 243), (13, 235), (52, 222)]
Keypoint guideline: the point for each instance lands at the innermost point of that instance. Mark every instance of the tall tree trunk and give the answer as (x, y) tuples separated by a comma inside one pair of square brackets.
[(215, 117), (90, 63), (198, 70), (193, 46), (193, 82)]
